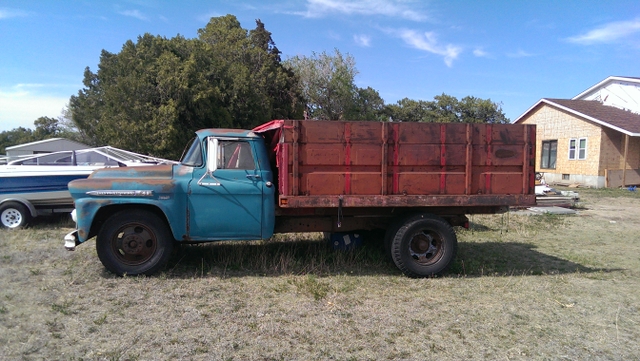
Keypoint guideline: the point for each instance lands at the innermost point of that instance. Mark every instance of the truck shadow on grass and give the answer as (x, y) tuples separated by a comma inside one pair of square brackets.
[(268, 258), (509, 259), (237, 259)]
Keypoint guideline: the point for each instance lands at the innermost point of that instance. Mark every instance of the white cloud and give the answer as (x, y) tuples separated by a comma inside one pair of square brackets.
[(428, 42), (6, 13), (22, 104), (362, 40), (607, 33), (391, 8), (134, 14), (480, 53), (206, 17), (520, 54)]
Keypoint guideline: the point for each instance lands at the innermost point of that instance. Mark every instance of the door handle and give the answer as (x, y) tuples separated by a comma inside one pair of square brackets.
[(253, 176)]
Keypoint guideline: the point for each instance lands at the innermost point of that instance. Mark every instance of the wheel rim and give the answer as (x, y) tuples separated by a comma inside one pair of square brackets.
[(426, 248), (134, 244), (11, 218)]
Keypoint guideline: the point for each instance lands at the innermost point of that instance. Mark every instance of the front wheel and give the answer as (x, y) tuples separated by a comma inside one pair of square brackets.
[(13, 215), (134, 242), (424, 247)]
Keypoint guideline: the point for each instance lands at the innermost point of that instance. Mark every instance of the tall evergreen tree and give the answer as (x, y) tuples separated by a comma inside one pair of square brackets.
[(155, 92)]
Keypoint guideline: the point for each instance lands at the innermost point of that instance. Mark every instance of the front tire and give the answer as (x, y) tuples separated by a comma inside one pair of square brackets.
[(424, 247), (134, 242), (14, 215)]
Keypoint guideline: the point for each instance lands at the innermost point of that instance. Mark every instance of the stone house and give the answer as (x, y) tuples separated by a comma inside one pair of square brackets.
[(592, 139)]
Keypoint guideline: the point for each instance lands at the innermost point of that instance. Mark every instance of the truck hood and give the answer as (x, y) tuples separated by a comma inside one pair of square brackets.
[(156, 179), (164, 171)]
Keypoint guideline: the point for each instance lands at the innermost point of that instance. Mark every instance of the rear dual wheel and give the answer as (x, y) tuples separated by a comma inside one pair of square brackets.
[(424, 246), (134, 242)]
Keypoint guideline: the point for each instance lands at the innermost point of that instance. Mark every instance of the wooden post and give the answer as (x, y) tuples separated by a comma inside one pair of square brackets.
[(624, 164)]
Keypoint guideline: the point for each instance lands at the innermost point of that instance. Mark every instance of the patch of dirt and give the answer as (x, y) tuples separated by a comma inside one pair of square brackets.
[(624, 210)]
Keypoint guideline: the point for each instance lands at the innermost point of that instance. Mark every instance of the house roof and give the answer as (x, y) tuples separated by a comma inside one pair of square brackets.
[(623, 121), (50, 140)]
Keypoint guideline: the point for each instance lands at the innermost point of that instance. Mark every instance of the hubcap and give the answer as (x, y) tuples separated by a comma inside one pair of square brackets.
[(11, 218), (426, 247), (134, 244)]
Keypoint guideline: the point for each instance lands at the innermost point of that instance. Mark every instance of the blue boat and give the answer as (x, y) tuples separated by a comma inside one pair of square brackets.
[(37, 185)]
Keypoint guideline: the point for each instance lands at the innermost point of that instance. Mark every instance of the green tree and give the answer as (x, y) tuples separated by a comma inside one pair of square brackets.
[(46, 127), (367, 105), (409, 110), (155, 92), (15, 136), (255, 85), (327, 84), (447, 109), (476, 110), (143, 98)]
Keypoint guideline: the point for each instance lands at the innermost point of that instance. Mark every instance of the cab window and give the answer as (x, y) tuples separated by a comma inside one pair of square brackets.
[(235, 155), (193, 156)]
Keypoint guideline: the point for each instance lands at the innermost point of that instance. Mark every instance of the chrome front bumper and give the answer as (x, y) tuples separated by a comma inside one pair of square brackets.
[(71, 241)]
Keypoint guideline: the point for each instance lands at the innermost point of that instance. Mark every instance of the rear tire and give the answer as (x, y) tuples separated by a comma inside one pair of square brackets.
[(14, 215), (424, 247), (134, 242), (390, 234)]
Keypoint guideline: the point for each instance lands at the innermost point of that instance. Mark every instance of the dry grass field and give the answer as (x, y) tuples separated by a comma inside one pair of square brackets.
[(522, 288)]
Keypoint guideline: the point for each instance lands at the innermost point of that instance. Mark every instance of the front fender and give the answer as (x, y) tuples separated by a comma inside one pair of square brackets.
[(90, 213)]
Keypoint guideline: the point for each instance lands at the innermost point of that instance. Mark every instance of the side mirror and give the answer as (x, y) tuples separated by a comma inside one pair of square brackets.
[(212, 154)]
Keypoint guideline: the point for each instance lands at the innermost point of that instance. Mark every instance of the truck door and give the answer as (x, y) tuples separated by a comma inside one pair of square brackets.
[(229, 203)]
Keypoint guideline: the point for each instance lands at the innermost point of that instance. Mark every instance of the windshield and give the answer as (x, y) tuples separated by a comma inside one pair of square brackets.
[(193, 156)]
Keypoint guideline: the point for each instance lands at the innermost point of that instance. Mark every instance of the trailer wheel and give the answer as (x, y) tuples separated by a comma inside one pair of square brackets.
[(134, 242), (14, 215), (424, 247)]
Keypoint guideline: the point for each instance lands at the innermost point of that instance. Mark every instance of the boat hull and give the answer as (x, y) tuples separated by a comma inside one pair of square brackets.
[(41, 188)]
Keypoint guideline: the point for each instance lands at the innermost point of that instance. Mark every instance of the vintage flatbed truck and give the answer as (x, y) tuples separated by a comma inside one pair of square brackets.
[(413, 180)]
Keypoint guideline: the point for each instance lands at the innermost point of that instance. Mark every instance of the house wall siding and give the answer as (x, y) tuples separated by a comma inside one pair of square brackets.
[(633, 156), (611, 148), (555, 124), (612, 151)]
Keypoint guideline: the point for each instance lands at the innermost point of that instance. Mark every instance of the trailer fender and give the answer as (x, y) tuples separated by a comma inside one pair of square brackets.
[(32, 209)]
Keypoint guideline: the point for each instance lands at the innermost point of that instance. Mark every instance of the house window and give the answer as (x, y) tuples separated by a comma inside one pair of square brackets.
[(582, 148), (549, 153), (578, 148), (572, 148)]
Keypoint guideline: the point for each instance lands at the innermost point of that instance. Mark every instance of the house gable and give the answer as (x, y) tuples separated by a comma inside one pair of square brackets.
[(615, 91)]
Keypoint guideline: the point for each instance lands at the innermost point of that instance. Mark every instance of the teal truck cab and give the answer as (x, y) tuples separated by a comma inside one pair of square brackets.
[(413, 181)]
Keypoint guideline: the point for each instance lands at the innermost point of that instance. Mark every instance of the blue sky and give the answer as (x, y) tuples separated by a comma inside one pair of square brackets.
[(513, 52)]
